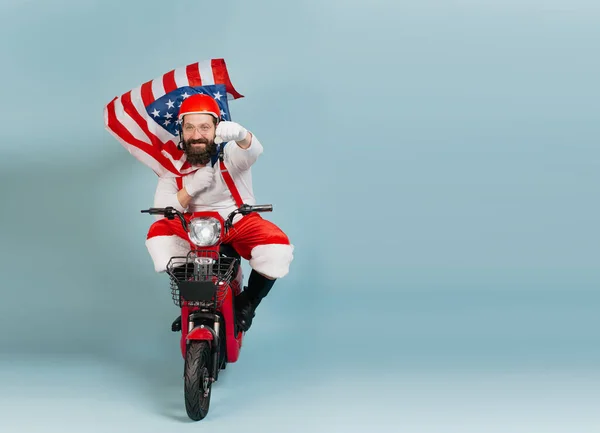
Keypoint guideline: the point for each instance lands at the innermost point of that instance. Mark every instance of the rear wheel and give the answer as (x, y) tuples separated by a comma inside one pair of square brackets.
[(222, 357), (223, 348), (197, 381)]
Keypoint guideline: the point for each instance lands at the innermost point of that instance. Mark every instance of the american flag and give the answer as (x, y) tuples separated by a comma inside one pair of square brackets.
[(144, 119)]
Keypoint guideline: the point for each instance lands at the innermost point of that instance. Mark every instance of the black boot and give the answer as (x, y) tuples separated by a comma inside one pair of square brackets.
[(247, 301)]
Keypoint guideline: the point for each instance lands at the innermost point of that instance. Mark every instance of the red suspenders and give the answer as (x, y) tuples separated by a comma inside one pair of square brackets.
[(231, 184)]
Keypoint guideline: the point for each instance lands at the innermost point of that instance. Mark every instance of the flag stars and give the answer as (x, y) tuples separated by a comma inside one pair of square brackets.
[(168, 115), (167, 122), (217, 96), (170, 104), (185, 96), (156, 113)]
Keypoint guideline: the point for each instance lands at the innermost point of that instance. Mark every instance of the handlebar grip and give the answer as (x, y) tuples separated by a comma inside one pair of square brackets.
[(262, 208), (154, 211)]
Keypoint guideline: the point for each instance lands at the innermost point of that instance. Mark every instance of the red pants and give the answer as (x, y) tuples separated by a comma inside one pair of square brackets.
[(262, 243)]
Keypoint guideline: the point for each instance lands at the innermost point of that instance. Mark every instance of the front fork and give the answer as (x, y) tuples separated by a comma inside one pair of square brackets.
[(203, 272), (209, 333), (202, 332)]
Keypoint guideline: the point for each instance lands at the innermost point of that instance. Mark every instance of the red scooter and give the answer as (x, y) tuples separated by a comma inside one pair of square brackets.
[(204, 284)]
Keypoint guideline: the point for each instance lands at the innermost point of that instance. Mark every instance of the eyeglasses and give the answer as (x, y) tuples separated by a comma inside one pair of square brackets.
[(189, 128)]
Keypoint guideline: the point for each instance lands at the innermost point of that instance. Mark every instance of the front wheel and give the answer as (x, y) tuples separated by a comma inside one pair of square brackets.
[(197, 380)]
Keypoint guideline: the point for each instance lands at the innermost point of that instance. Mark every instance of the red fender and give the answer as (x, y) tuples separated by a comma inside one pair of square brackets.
[(199, 333)]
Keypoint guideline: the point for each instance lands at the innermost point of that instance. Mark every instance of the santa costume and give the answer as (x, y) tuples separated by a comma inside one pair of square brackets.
[(261, 242)]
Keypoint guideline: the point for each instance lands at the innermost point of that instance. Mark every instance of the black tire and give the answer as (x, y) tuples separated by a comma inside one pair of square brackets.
[(197, 382)]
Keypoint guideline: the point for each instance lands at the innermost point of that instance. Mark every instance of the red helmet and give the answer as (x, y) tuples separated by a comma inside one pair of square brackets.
[(199, 103)]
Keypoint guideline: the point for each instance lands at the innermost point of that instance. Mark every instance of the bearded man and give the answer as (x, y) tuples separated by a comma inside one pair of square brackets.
[(262, 243)]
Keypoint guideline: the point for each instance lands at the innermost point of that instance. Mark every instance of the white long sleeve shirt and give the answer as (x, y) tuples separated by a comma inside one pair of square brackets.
[(218, 197)]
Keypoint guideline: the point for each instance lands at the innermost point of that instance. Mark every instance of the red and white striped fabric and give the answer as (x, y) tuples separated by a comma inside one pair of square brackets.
[(127, 119)]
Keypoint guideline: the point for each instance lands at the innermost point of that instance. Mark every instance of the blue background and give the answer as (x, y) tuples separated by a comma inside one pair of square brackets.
[(435, 163)]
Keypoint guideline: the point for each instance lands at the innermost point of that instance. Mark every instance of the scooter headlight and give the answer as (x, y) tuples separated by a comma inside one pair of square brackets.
[(204, 232)]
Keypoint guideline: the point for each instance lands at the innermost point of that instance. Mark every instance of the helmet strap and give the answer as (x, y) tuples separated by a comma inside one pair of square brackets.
[(180, 145)]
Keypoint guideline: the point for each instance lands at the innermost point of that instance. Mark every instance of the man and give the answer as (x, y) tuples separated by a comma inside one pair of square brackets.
[(265, 245)]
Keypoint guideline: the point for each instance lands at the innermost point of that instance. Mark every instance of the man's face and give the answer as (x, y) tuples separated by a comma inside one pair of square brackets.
[(198, 138)]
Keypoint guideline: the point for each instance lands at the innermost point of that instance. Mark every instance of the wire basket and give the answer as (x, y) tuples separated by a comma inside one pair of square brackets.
[(202, 266)]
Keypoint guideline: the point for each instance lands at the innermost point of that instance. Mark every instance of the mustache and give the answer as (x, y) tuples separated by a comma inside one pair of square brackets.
[(198, 141)]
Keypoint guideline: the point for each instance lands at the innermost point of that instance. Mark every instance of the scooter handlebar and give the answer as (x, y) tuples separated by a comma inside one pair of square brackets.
[(168, 212), (261, 208), (155, 211)]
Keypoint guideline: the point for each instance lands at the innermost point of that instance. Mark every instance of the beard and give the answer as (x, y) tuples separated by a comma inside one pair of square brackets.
[(199, 156)]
